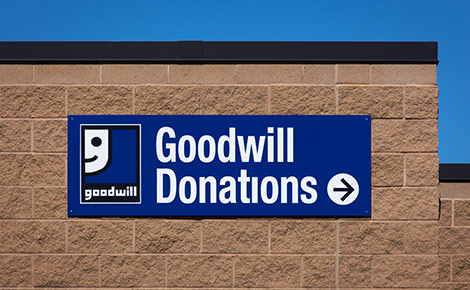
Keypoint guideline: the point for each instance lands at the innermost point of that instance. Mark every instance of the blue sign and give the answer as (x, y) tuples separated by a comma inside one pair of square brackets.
[(219, 165)]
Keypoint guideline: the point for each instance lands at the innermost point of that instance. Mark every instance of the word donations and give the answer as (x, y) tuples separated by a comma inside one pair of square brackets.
[(219, 166)]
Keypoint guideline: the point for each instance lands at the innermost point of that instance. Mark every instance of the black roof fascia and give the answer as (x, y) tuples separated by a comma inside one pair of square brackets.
[(454, 172), (219, 52)]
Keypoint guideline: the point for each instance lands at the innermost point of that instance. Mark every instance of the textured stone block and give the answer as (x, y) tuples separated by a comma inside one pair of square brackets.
[(302, 100), (319, 271), (421, 169), (319, 74), (15, 135), (234, 237), (166, 100), (405, 203), (444, 268), (387, 169), (355, 271), (16, 74), (353, 73), (454, 240), (67, 74), (371, 237), (421, 238), (99, 237), (303, 237), (405, 271), (454, 189), (233, 100), (269, 74), (50, 136), (15, 202), (267, 271), (167, 237), (66, 271), (403, 74), (32, 237), (200, 271), (134, 73), (461, 268), (421, 102), (445, 217), (202, 74), (50, 202), (99, 100), (454, 286), (377, 101), (27, 102), (404, 136), (27, 169), (15, 271), (461, 213), (132, 271)]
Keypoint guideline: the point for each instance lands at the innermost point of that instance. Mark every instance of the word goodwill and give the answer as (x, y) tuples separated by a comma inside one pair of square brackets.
[(186, 148)]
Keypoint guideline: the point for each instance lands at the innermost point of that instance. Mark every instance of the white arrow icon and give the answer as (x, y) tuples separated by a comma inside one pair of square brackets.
[(343, 189)]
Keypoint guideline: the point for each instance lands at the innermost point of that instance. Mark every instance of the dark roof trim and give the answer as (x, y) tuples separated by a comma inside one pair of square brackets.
[(454, 172), (219, 52)]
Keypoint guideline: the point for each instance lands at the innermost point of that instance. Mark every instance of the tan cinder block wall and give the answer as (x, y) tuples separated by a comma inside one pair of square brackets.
[(454, 236), (40, 247)]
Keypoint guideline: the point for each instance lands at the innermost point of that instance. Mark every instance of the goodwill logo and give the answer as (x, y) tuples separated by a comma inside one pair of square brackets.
[(110, 164)]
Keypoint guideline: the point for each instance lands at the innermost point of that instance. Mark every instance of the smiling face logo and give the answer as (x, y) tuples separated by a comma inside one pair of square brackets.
[(110, 163), (97, 150)]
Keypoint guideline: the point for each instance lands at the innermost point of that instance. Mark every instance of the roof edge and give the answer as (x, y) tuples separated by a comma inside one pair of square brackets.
[(219, 52), (454, 172)]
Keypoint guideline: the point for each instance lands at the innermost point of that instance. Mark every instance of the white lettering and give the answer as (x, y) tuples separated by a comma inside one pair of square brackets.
[(308, 190), (161, 198), (264, 191), (171, 157)]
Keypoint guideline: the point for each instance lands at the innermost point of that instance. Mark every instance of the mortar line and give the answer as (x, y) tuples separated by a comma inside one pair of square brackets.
[(451, 274), (166, 271), (404, 170), (452, 214), (123, 220), (301, 271), (29, 119), (303, 74), (167, 73), (32, 135), (32, 203), (32, 271), (205, 254), (337, 256), (34, 153), (336, 90), (66, 237), (233, 271), (99, 270), (370, 74), (66, 101), (403, 102), (183, 287)]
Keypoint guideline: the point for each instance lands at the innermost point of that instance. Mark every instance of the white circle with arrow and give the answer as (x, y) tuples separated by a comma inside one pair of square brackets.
[(343, 189)]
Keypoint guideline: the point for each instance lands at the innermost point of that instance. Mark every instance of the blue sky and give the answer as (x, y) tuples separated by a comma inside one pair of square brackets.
[(370, 20)]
